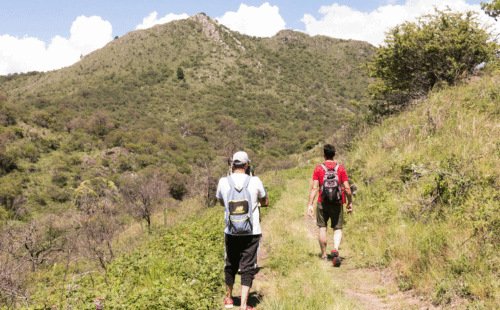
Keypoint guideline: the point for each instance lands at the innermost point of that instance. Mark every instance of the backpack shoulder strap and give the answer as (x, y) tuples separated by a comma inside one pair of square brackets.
[(247, 181), (324, 167), (336, 167), (230, 181)]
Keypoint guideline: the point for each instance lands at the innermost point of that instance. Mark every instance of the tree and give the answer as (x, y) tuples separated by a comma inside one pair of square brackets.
[(180, 74), (492, 9), (100, 124), (438, 48), (97, 199), (143, 192)]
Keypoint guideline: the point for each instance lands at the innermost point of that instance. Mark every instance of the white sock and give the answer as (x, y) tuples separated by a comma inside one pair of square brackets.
[(337, 237)]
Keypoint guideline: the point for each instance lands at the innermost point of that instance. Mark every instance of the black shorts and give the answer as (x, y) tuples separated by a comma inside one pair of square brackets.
[(332, 211), (241, 253)]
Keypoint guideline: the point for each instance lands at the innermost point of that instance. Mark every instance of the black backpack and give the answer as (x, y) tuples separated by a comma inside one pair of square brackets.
[(331, 190)]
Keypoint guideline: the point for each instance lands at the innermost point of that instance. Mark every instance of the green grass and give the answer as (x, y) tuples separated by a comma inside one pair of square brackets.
[(294, 277), (427, 205)]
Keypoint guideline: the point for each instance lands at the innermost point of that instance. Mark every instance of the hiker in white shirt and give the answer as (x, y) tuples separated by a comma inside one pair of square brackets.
[(242, 233)]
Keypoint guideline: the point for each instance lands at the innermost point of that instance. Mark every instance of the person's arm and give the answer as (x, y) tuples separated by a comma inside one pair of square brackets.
[(348, 193), (218, 194), (264, 202), (312, 197)]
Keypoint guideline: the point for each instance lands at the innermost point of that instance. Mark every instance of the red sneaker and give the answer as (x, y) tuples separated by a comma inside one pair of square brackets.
[(228, 302), (247, 308), (336, 258), (335, 253)]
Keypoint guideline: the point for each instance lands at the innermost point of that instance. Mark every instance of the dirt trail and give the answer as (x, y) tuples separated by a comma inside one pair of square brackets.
[(369, 288), (366, 288)]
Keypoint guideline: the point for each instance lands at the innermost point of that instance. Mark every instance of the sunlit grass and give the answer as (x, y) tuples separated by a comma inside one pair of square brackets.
[(425, 205), (295, 277)]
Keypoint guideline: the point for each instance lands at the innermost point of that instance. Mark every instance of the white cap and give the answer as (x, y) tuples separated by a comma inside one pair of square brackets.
[(240, 158)]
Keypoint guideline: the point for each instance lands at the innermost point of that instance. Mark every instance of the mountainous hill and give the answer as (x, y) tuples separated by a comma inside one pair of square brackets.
[(125, 134), (281, 91), (176, 95)]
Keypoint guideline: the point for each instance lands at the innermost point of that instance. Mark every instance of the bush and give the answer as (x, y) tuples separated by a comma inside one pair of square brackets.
[(177, 185), (418, 55), (100, 124), (180, 74)]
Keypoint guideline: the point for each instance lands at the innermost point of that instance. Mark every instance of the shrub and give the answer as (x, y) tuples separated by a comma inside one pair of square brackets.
[(100, 124), (177, 185), (180, 74), (10, 189), (6, 115), (437, 48), (43, 119)]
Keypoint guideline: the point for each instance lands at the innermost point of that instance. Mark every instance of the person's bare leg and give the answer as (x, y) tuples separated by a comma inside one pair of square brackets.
[(322, 241), (229, 291), (337, 238), (244, 296)]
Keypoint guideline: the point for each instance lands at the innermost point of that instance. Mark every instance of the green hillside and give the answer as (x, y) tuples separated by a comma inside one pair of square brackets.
[(98, 158), (125, 107), (428, 195), (277, 93)]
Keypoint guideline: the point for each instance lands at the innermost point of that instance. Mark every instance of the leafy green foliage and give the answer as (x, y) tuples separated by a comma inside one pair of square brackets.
[(492, 9), (438, 48)]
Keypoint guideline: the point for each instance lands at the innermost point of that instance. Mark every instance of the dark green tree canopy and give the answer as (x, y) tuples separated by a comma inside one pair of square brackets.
[(438, 48)]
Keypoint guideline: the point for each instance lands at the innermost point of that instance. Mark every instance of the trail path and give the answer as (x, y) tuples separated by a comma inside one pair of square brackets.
[(369, 288), (365, 288)]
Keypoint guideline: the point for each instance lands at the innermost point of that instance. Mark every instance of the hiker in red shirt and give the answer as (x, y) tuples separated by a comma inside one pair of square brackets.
[(333, 189)]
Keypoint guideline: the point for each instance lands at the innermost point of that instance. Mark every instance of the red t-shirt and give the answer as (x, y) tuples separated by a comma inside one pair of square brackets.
[(319, 174)]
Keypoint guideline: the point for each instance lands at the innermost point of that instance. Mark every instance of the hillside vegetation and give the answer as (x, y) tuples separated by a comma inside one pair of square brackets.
[(183, 94), (138, 132), (428, 204)]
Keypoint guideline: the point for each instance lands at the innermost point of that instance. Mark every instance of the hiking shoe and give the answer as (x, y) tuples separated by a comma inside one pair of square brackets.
[(228, 302), (336, 258), (335, 253), (336, 262)]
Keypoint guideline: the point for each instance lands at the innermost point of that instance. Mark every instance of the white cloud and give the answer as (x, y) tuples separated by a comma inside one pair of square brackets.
[(32, 54), (340, 21), (152, 20), (264, 21)]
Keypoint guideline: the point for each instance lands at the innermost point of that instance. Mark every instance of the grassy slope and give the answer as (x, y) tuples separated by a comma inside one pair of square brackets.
[(428, 202), (293, 275)]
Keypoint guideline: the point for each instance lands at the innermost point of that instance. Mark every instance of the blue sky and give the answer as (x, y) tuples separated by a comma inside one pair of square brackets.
[(46, 19), (46, 35)]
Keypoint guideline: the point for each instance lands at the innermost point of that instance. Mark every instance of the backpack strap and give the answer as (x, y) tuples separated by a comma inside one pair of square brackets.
[(232, 185), (247, 181), (230, 181), (324, 167), (336, 167)]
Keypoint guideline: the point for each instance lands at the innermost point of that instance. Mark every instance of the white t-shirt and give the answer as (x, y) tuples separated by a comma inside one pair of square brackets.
[(256, 190)]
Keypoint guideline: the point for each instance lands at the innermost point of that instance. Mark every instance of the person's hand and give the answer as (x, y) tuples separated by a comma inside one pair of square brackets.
[(310, 211), (349, 208)]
